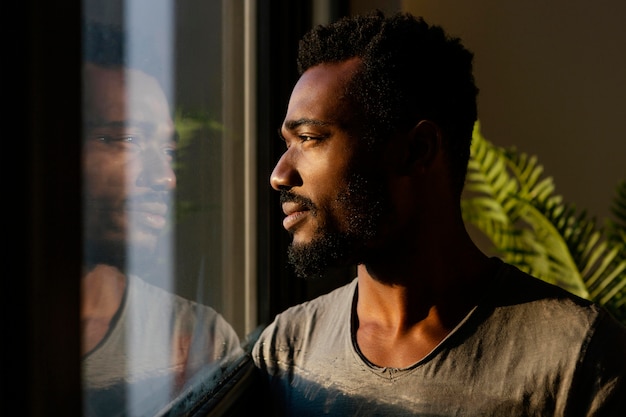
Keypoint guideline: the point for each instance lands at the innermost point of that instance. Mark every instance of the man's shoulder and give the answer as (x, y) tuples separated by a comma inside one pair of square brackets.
[(308, 321), (184, 319), (512, 285), (331, 303), (524, 297), (172, 308), (162, 297)]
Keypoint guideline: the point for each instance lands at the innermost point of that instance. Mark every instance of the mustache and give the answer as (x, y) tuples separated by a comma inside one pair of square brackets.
[(287, 196), (152, 197)]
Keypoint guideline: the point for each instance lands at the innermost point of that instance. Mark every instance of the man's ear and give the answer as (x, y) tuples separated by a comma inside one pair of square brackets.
[(424, 144)]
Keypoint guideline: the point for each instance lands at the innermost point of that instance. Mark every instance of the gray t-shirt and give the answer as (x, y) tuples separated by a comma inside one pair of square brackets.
[(158, 343), (528, 349)]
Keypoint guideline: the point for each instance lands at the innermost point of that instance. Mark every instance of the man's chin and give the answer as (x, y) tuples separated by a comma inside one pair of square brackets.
[(302, 266), (311, 260), (300, 241), (137, 251)]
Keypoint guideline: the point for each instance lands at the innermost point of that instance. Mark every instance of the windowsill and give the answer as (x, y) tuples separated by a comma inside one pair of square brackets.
[(231, 394)]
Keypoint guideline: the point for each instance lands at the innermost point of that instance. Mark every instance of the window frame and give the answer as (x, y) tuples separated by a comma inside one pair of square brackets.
[(41, 367)]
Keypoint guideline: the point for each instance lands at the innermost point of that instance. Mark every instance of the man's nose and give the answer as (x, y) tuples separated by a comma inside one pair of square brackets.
[(158, 172), (285, 175)]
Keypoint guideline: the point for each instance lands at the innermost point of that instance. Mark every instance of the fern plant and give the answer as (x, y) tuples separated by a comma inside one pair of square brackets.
[(510, 200)]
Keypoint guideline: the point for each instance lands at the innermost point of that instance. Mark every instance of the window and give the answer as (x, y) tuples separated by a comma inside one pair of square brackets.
[(220, 72), (168, 292)]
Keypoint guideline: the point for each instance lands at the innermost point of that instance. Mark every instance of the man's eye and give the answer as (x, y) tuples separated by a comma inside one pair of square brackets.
[(170, 152), (306, 138), (118, 138)]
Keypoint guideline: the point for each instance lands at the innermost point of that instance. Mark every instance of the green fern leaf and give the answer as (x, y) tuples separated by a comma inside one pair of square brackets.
[(512, 203)]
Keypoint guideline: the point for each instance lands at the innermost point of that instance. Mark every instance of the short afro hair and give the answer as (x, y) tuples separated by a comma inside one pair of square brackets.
[(109, 46), (410, 71)]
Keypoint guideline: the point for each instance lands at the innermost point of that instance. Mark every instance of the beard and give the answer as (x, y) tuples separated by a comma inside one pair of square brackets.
[(339, 241), (122, 243), (115, 234)]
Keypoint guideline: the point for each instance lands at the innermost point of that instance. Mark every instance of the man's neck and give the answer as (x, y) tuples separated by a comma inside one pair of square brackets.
[(102, 289), (407, 306)]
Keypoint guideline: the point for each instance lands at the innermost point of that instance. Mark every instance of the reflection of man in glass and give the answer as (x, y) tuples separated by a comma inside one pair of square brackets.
[(141, 344)]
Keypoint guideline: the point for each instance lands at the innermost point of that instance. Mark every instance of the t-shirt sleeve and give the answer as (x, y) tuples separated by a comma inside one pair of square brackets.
[(600, 387)]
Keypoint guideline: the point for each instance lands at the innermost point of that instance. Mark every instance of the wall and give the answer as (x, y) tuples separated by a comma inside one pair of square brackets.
[(552, 79)]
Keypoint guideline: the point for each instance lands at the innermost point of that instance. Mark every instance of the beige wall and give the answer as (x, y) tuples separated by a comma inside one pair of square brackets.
[(552, 79)]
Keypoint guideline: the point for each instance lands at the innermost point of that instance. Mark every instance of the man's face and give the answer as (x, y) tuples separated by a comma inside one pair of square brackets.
[(127, 162), (331, 191)]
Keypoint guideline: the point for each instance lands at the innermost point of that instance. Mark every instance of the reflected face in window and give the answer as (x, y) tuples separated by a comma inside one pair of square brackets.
[(127, 161)]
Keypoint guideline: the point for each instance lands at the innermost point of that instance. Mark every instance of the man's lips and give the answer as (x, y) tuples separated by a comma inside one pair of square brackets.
[(150, 220), (295, 213), (151, 215)]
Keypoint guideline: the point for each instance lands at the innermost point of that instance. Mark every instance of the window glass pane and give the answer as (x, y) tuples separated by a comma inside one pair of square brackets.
[(168, 218)]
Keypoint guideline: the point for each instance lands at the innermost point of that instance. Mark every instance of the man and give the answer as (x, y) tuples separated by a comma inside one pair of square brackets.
[(377, 131), (142, 345)]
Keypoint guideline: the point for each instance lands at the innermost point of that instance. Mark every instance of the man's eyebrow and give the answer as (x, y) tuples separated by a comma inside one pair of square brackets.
[(118, 124), (121, 124), (147, 127), (293, 124)]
